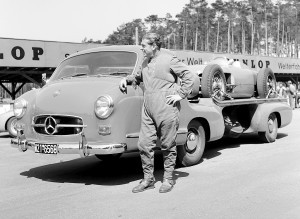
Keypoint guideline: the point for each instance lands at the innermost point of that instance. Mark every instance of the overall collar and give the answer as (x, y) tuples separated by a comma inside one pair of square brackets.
[(155, 56)]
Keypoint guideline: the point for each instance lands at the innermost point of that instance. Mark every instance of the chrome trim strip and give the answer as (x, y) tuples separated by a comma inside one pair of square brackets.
[(182, 131), (61, 125), (224, 103), (71, 126), (74, 148), (64, 115), (38, 125), (132, 135), (136, 135)]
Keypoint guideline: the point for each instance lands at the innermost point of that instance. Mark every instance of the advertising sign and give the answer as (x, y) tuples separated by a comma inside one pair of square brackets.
[(36, 53), (277, 64)]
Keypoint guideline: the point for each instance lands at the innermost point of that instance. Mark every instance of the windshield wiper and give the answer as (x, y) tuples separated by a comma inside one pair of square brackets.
[(78, 74), (118, 73), (74, 75)]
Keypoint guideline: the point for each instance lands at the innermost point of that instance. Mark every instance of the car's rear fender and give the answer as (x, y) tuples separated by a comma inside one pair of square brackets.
[(260, 117)]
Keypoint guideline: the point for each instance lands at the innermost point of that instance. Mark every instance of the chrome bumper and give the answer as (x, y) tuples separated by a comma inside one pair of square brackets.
[(82, 148)]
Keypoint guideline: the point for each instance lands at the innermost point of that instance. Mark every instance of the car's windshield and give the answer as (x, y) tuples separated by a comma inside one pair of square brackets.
[(117, 63)]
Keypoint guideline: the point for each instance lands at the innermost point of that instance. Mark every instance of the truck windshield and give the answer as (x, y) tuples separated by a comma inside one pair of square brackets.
[(117, 63)]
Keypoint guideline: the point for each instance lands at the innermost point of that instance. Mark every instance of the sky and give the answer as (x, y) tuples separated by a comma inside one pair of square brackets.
[(73, 20)]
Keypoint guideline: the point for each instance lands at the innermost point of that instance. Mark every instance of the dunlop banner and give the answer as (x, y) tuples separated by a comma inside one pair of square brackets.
[(278, 65), (36, 53)]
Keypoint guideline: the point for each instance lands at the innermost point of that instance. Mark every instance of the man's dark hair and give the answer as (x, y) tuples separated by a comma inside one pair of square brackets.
[(153, 38)]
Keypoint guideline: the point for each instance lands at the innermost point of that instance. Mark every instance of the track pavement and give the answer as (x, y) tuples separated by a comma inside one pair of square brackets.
[(237, 178)]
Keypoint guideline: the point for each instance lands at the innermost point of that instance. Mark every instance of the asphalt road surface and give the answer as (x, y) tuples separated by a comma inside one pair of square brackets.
[(237, 178)]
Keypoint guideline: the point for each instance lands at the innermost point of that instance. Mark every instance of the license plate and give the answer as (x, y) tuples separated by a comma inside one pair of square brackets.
[(46, 148)]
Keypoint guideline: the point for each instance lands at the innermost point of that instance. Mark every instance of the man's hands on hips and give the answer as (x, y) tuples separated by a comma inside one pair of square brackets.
[(123, 85), (172, 99)]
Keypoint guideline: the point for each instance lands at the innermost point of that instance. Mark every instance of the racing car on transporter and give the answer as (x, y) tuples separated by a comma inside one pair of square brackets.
[(225, 78), (82, 110)]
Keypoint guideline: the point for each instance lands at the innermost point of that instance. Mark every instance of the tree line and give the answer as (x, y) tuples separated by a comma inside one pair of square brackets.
[(256, 27)]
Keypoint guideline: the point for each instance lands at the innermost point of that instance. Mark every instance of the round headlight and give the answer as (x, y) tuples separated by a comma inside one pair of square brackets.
[(104, 106), (20, 107)]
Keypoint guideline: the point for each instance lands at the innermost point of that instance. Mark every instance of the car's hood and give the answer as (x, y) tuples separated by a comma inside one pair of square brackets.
[(73, 95)]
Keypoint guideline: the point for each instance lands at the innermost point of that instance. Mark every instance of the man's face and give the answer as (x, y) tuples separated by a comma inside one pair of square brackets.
[(147, 48)]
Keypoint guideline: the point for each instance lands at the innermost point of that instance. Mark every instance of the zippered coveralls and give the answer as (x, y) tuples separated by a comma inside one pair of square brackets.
[(159, 119)]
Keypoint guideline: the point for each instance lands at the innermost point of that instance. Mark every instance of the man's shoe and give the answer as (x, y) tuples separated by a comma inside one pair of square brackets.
[(167, 186), (144, 185)]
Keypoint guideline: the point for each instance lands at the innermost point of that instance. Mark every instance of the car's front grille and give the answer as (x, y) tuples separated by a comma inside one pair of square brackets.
[(57, 125)]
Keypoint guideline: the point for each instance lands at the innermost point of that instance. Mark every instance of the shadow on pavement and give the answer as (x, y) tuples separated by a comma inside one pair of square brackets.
[(212, 149), (4, 135), (281, 135), (91, 170)]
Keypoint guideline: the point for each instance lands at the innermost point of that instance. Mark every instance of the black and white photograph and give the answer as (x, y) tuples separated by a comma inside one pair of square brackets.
[(150, 109)]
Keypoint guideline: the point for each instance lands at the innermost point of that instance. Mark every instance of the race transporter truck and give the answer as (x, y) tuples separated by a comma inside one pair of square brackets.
[(81, 109)]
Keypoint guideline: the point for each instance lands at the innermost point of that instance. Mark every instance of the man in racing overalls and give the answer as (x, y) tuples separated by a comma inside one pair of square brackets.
[(160, 112)]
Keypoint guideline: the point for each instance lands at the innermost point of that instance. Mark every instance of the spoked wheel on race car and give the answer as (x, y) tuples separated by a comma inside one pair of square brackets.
[(108, 157), (191, 152), (11, 127), (272, 128), (266, 83), (213, 82)]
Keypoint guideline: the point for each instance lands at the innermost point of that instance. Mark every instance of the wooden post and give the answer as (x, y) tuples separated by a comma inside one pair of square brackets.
[(136, 36)]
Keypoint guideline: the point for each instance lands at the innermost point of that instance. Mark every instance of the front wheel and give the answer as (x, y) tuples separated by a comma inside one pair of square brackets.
[(11, 127), (108, 157), (272, 128), (191, 152)]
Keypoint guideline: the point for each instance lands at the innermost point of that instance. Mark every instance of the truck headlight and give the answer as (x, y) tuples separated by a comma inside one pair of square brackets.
[(104, 106), (20, 107)]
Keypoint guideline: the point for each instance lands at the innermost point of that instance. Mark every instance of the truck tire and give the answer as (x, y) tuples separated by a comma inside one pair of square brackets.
[(10, 126), (272, 129), (108, 157), (213, 80), (191, 152), (266, 81)]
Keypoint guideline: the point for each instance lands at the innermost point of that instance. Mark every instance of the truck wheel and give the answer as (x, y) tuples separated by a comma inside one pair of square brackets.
[(272, 128), (266, 83), (11, 127), (191, 152), (213, 81), (108, 157)]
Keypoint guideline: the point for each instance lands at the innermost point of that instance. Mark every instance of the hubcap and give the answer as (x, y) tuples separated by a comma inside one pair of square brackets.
[(271, 125), (191, 142), (271, 83), (13, 125), (217, 83)]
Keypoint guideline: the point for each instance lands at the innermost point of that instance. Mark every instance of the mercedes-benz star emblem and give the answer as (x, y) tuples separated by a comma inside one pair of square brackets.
[(50, 125)]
